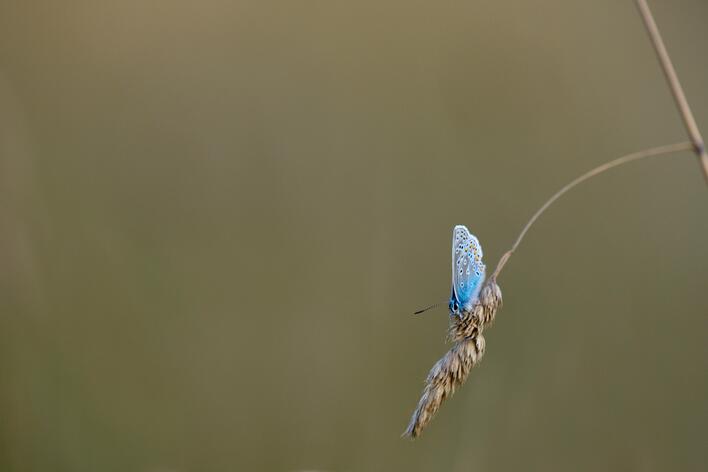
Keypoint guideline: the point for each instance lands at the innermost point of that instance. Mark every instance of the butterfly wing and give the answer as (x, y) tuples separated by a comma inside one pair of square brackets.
[(468, 271)]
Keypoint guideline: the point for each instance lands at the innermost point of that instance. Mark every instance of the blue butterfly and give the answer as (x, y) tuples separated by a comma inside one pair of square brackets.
[(468, 271)]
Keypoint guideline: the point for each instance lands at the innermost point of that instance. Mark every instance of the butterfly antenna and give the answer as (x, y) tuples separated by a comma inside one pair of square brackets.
[(428, 308)]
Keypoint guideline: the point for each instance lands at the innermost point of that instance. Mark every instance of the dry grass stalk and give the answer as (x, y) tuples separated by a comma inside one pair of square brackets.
[(452, 370)]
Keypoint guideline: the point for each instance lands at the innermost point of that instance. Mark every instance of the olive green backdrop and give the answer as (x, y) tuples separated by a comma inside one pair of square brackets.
[(217, 217)]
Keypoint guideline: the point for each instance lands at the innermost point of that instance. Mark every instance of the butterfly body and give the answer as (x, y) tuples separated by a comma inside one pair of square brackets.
[(468, 270)]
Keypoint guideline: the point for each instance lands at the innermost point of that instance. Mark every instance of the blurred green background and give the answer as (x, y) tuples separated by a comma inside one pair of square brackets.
[(217, 218)]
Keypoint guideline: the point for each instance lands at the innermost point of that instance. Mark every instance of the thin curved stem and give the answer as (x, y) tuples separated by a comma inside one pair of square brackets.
[(657, 151)]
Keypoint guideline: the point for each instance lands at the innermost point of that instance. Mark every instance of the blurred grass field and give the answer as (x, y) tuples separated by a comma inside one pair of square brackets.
[(218, 217)]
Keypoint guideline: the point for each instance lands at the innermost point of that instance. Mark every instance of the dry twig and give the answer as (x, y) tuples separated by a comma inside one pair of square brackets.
[(675, 86)]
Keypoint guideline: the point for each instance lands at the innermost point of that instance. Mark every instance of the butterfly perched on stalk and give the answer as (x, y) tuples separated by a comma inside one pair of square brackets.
[(468, 272), (473, 306)]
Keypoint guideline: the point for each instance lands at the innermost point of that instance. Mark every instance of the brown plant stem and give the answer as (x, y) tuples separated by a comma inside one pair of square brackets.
[(451, 371), (657, 151), (675, 86)]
